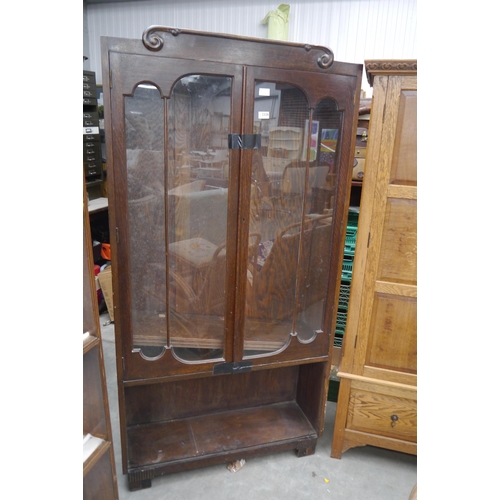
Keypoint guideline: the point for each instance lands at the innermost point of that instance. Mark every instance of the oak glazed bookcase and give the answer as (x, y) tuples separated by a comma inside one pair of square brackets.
[(225, 277)]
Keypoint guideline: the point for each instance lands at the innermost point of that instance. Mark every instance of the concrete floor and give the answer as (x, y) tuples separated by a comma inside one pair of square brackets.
[(365, 473)]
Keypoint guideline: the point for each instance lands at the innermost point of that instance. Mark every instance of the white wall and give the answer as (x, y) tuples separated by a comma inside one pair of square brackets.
[(354, 29)]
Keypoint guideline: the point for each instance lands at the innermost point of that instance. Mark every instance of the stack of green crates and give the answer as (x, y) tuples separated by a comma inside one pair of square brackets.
[(345, 285), (345, 290)]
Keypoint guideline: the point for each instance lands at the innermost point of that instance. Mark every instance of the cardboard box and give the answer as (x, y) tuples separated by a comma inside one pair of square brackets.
[(107, 290)]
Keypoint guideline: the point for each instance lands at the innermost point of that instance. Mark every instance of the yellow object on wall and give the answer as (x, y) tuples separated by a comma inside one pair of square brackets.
[(277, 22)]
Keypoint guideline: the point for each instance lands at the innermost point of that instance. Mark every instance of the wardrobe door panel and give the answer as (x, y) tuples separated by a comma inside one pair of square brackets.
[(398, 253), (404, 164), (388, 346), (387, 322)]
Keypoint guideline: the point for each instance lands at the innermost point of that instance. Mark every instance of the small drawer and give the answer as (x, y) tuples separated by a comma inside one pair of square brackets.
[(383, 414), (91, 158), (88, 86), (90, 119), (89, 78), (90, 93), (91, 138), (91, 145), (92, 168), (91, 149), (87, 122), (92, 130), (89, 101)]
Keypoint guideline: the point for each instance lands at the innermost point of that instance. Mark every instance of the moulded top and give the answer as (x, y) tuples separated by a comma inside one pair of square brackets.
[(389, 67), (221, 47)]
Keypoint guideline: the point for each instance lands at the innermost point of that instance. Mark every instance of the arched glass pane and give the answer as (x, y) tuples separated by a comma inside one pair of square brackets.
[(276, 217), (198, 173), (146, 216), (290, 218), (316, 257)]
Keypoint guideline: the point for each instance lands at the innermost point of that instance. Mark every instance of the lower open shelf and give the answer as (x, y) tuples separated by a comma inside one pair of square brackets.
[(214, 438)]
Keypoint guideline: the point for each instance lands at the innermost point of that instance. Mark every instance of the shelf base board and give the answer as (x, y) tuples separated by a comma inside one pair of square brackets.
[(167, 447)]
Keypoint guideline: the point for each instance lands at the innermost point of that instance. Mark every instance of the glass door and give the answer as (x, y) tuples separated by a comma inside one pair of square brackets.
[(290, 216), (224, 210), (175, 188), (198, 200)]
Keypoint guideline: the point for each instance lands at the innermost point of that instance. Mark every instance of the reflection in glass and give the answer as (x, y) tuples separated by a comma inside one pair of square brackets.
[(290, 218), (195, 178), (146, 215), (323, 139), (198, 173)]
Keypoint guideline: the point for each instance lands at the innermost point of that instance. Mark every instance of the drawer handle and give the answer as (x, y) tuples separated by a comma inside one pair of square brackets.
[(394, 419)]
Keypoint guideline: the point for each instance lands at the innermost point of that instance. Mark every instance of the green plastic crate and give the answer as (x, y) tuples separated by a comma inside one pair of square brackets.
[(337, 340), (347, 265), (341, 322), (352, 217), (345, 290), (350, 239)]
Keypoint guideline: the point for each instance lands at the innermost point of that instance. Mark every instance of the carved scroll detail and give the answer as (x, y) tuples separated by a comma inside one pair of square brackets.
[(326, 60), (154, 42)]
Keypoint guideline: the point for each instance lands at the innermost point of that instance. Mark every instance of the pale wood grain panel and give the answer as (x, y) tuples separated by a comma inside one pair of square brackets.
[(404, 160), (369, 203), (386, 386), (374, 218), (371, 412), (403, 192), (354, 438), (396, 289), (390, 376), (398, 252), (392, 338)]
